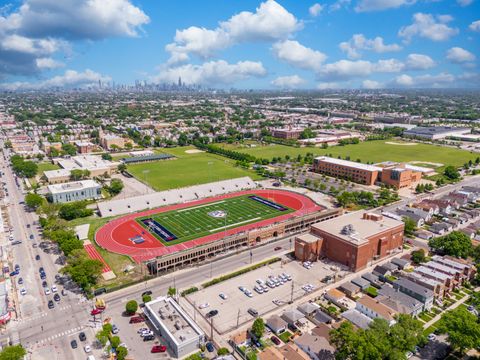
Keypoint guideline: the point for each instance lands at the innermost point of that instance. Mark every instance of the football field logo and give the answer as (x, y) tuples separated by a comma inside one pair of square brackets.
[(218, 214)]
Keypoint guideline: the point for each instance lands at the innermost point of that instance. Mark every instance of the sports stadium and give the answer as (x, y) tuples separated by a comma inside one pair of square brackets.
[(175, 228)]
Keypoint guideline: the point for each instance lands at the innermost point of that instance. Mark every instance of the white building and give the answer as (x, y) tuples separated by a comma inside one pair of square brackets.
[(74, 191), (181, 333)]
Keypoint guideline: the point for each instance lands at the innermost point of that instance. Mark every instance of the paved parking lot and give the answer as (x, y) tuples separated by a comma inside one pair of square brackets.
[(233, 311)]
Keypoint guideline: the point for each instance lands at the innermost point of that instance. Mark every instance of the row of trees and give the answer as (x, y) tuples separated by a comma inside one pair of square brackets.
[(105, 336), (366, 198), (235, 155), (379, 341), (455, 244)]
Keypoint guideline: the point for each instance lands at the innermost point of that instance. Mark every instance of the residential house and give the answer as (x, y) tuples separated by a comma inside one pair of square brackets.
[(381, 271), (361, 282), (445, 280), (401, 263), (398, 301), (441, 228), (308, 308), (350, 289), (276, 324), (358, 319), (293, 316), (416, 291), (374, 309), (437, 287), (372, 279), (317, 347)]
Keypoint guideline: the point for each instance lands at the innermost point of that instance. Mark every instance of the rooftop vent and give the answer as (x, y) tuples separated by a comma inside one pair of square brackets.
[(348, 230)]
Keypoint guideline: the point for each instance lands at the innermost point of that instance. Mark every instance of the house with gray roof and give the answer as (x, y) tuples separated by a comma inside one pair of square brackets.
[(401, 263), (361, 282), (308, 308), (357, 318), (276, 324), (372, 279), (416, 291), (398, 301)]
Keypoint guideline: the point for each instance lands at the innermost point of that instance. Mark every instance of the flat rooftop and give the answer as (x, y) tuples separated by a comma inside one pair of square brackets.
[(347, 163), (72, 186), (436, 130), (354, 228), (174, 320)]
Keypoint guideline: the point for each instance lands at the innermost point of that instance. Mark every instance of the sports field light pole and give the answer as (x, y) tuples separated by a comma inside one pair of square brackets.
[(145, 172)]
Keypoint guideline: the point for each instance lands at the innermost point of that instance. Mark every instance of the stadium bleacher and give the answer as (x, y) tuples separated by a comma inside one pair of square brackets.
[(170, 197)]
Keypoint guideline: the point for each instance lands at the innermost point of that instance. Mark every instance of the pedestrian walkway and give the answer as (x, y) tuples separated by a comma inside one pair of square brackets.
[(453, 306)]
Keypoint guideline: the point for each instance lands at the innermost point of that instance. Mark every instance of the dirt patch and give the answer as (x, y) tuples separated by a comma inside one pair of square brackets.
[(194, 151), (426, 163), (400, 144)]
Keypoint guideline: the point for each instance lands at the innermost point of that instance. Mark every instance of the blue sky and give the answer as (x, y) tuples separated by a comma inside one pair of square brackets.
[(241, 43)]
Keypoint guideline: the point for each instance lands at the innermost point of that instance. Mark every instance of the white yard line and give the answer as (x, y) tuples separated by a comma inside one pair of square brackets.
[(239, 223), (200, 206)]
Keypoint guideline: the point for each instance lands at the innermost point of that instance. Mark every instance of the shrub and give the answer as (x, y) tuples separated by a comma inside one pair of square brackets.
[(131, 307)]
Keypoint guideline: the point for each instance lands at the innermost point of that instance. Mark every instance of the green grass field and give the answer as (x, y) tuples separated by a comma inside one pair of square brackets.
[(368, 151), (187, 170), (45, 166), (197, 221)]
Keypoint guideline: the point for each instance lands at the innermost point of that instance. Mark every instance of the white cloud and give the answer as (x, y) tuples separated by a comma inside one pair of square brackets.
[(329, 86), (428, 26), (475, 26), (339, 4), (378, 5), (359, 42), (371, 84), (295, 54), (48, 63), (70, 79), (288, 82), (425, 81), (270, 22), (92, 19), (458, 55), (346, 69), (39, 28), (388, 66), (315, 9), (419, 62), (404, 80), (212, 73), (464, 2)]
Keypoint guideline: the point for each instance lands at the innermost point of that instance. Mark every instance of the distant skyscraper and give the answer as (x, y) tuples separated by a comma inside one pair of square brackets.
[(179, 81)]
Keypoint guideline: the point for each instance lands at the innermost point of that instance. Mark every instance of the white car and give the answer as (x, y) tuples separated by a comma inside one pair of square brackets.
[(54, 288), (203, 306), (87, 348), (223, 296), (47, 291), (141, 330), (431, 337), (23, 292), (146, 333)]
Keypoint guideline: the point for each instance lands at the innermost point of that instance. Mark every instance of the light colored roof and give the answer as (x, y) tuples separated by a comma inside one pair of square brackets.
[(314, 343), (362, 229), (50, 174), (175, 196), (382, 310), (335, 294), (308, 238), (357, 318), (347, 163), (82, 231), (72, 186)]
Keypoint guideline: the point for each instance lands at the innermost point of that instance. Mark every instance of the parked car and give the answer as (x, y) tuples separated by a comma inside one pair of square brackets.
[(54, 288), (136, 320), (276, 248), (149, 337), (275, 340), (37, 257), (56, 297), (95, 312), (20, 281), (212, 313), (82, 336), (253, 312), (47, 291), (23, 292), (74, 344), (223, 296), (158, 349), (148, 292), (31, 236), (115, 329), (51, 304), (203, 306), (87, 348), (431, 337), (210, 347)]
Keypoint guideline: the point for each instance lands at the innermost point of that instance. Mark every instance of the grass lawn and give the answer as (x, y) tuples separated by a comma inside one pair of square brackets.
[(45, 166), (176, 226), (187, 170), (425, 317), (368, 151), (285, 336)]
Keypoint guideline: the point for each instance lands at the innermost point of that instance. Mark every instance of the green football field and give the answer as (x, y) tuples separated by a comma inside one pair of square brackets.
[(210, 218)]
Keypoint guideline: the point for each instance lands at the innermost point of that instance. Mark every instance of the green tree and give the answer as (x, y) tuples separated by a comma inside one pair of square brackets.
[(115, 341), (455, 244), (76, 174), (347, 341), (106, 156), (258, 327), (307, 133), (462, 329), (34, 201), (122, 353), (222, 351), (171, 291), (69, 149), (16, 352), (410, 226), (418, 256), (122, 167), (74, 210), (146, 298), (116, 186), (131, 307), (451, 172)]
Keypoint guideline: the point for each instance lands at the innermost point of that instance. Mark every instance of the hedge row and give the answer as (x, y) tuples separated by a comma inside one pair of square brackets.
[(189, 291), (240, 272)]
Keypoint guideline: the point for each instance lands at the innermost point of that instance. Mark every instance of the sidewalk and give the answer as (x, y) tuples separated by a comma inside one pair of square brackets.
[(453, 306)]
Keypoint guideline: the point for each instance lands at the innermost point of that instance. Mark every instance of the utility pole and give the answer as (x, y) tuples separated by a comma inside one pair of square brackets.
[(238, 317), (211, 328)]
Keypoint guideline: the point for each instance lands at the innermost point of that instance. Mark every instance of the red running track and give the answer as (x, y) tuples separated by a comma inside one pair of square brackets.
[(114, 236), (93, 253)]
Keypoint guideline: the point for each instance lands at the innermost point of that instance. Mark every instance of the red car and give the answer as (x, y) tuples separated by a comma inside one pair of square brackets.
[(158, 349), (136, 320), (277, 248), (96, 312)]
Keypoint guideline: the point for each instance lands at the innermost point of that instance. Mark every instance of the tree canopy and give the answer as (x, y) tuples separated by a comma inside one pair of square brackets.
[(16, 352), (33, 201), (455, 244), (258, 327), (462, 329)]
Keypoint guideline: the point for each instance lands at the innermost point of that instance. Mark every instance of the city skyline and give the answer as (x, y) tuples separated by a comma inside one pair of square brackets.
[(269, 44)]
